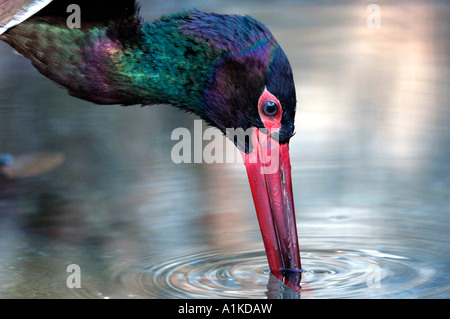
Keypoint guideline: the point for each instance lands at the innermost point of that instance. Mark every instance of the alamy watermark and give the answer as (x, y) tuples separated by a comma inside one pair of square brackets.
[(74, 279), (261, 144), (74, 19), (373, 279), (374, 19)]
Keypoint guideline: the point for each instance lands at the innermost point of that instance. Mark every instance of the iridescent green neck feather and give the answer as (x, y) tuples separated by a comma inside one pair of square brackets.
[(214, 65), (157, 64)]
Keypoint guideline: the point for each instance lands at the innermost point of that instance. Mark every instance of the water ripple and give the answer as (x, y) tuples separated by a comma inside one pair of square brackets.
[(328, 273)]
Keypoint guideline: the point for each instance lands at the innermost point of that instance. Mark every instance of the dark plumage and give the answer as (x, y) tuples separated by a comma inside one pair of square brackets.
[(213, 65), (224, 68)]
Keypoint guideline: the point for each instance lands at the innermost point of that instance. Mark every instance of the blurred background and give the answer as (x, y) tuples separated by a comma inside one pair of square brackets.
[(370, 163)]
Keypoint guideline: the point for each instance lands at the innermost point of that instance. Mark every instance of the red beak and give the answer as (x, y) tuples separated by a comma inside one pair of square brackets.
[(269, 173)]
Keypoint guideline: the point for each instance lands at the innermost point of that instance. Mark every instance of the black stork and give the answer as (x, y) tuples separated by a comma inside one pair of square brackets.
[(227, 69)]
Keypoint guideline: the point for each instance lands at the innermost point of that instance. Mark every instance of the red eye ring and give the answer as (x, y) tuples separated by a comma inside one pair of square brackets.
[(270, 110)]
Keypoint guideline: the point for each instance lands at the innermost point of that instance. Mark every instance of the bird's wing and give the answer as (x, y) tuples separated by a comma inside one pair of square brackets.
[(13, 12)]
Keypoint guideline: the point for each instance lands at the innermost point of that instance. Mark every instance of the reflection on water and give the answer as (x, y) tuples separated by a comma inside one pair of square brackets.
[(370, 172)]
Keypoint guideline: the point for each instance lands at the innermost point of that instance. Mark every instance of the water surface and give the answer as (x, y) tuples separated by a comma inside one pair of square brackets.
[(370, 172)]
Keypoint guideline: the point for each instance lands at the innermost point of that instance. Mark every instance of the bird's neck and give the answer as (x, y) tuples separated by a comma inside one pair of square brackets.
[(140, 63)]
